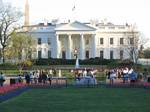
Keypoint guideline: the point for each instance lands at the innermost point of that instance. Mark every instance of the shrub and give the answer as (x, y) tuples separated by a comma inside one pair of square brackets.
[(6, 66), (91, 61), (27, 64)]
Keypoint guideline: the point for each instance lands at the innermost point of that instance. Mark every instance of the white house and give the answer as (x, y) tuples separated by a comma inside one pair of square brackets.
[(104, 40)]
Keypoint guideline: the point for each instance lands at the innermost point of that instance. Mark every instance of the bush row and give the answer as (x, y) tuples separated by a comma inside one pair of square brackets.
[(47, 62), (7, 66), (91, 61)]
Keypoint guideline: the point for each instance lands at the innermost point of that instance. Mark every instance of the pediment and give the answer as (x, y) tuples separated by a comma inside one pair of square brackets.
[(74, 26)]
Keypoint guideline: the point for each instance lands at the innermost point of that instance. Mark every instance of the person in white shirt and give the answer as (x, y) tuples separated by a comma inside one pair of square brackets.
[(85, 73), (31, 77), (112, 76), (36, 76), (125, 75)]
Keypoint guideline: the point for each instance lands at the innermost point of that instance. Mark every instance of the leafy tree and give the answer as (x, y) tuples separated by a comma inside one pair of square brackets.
[(8, 23), (21, 47)]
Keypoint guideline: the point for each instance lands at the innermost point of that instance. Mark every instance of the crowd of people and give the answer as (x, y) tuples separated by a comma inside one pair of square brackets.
[(127, 74), (82, 76), (45, 76), (38, 76), (85, 76)]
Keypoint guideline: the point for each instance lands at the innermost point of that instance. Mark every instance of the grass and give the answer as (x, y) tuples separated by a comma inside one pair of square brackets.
[(80, 100)]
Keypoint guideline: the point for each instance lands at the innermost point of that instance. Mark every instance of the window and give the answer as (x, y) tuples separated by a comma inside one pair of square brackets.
[(112, 27), (111, 55), (111, 41), (131, 41), (49, 54), (101, 54), (39, 41), (63, 54), (48, 41), (101, 27), (121, 27), (39, 54), (87, 42), (101, 41), (121, 54), (121, 41), (87, 54)]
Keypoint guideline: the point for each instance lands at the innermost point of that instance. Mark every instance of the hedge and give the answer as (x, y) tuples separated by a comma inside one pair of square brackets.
[(91, 61)]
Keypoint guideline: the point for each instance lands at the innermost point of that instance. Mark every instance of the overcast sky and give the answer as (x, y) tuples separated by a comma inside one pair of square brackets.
[(116, 11)]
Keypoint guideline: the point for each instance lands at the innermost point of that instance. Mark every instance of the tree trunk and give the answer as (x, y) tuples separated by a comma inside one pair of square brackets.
[(3, 54)]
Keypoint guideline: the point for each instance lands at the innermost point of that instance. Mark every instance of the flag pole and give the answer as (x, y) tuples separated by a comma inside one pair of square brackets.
[(73, 11)]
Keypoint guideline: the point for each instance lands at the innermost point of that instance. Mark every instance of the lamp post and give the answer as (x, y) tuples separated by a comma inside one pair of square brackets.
[(76, 53)]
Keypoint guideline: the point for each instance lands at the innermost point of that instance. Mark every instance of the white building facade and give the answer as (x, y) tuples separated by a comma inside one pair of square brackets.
[(107, 41)]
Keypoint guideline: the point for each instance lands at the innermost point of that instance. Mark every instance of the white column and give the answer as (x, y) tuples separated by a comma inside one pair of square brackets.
[(69, 47), (82, 47), (93, 46), (56, 49)]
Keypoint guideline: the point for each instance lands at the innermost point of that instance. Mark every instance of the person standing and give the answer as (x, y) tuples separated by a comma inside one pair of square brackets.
[(20, 78), (36, 76), (85, 73), (133, 76), (27, 78), (112, 76), (145, 75), (44, 77), (125, 75), (2, 79)]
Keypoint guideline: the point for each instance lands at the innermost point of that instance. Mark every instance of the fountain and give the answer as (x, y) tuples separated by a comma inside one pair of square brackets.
[(77, 63), (77, 60)]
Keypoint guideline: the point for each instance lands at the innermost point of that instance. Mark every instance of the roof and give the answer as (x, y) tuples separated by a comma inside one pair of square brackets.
[(74, 26)]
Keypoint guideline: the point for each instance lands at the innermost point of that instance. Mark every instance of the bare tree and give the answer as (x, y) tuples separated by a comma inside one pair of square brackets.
[(94, 22), (8, 19), (134, 41)]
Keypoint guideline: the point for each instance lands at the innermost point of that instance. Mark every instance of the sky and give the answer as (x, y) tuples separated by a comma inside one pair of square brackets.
[(115, 11)]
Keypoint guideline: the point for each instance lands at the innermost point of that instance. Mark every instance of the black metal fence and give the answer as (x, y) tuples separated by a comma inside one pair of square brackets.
[(66, 82)]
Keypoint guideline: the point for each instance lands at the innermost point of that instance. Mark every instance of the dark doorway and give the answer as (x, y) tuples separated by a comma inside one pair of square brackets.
[(111, 55), (101, 54), (87, 54), (49, 54), (63, 54)]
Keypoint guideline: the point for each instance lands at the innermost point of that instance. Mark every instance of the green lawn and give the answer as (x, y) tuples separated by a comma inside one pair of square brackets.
[(80, 100)]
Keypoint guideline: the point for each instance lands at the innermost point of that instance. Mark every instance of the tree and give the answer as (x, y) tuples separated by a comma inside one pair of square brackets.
[(21, 47), (141, 52), (134, 43), (147, 53), (8, 23)]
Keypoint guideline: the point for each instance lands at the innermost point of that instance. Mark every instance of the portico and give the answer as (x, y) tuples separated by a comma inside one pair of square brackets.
[(75, 36)]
